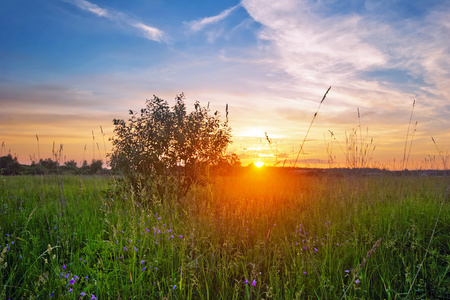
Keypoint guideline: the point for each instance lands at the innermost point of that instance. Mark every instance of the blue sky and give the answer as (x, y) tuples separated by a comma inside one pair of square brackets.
[(71, 66)]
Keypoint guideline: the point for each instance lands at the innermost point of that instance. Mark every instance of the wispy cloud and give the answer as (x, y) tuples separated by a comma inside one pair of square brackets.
[(199, 24), (149, 32), (312, 48), (316, 49), (93, 8)]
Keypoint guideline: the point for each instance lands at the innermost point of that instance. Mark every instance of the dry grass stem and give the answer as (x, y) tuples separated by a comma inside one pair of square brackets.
[(363, 263), (444, 160), (407, 136), (371, 251), (310, 125)]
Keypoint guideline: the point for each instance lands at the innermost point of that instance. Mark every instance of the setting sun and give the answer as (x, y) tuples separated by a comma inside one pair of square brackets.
[(258, 164)]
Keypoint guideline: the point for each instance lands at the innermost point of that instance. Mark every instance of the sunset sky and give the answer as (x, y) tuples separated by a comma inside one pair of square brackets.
[(71, 66)]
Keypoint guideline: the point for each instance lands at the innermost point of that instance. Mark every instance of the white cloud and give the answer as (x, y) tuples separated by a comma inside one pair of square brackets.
[(198, 25), (148, 32), (314, 49), (317, 49), (93, 8)]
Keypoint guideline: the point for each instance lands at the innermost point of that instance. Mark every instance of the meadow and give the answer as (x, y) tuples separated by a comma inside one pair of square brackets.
[(257, 234)]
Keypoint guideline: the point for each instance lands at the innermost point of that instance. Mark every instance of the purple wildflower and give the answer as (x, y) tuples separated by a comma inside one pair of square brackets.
[(142, 261), (357, 281), (254, 282), (246, 281), (180, 236), (70, 291), (143, 269), (64, 267), (93, 297), (72, 281), (83, 294)]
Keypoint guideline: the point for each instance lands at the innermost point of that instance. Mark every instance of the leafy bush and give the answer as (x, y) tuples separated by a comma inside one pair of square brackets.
[(167, 142)]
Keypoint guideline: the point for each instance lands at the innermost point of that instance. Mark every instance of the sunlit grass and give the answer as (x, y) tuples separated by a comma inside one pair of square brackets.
[(260, 234)]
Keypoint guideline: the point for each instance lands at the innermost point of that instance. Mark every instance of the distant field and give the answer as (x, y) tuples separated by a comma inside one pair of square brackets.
[(258, 234)]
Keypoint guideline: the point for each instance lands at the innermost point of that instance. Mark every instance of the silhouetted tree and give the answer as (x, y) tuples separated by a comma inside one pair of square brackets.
[(96, 167), (167, 141), (9, 165), (49, 164), (85, 169), (69, 168), (71, 163)]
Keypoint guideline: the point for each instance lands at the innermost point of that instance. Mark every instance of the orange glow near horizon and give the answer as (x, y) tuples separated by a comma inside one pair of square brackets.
[(251, 151)]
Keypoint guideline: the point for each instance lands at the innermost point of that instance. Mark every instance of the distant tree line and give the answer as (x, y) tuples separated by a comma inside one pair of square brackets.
[(10, 166)]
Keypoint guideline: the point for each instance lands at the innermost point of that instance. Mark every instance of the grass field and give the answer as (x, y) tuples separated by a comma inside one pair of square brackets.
[(259, 234)]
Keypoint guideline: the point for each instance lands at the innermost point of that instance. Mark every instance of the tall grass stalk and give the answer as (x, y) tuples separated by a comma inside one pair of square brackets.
[(410, 145), (39, 151), (361, 266), (84, 154), (310, 125), (360, 139), (339, 144), (329, 146), (93, 146), (444, 160), (358, 150), (271, 149), (104, 144), (407, 136)]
